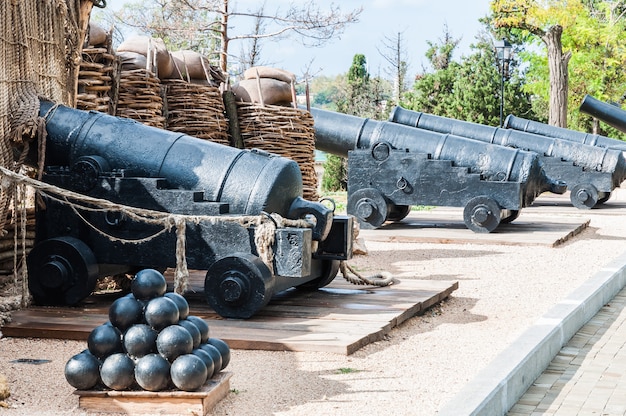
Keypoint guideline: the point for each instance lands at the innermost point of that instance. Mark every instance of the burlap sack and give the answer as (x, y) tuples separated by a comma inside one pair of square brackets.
[(189, 65), (268, 72), (273, 91), (97, 34), (144, 45), (132, 60)]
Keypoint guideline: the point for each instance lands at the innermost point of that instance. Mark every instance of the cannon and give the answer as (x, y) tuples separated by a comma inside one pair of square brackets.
[(392, 166), (591, 173), (608, 113), (128, 163), (535, 127)]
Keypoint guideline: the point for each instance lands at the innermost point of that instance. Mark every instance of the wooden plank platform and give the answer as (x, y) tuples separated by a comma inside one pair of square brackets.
[(197, 403), (340, 318)]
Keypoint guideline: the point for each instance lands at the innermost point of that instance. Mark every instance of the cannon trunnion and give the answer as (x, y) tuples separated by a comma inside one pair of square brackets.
[(591, 173), (78, 243), (393, 166)]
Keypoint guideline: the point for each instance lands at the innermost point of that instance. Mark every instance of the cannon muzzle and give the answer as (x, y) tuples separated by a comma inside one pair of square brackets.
[(608, 113)]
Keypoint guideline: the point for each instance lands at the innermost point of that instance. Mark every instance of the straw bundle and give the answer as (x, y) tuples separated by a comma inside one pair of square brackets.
[(196, 110), (140, 98), (285, 131)]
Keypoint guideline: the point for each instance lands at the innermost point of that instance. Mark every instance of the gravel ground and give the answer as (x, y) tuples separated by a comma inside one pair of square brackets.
[(421, 364)]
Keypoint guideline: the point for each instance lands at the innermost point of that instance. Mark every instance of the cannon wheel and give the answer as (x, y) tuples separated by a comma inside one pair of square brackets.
[(369, 206), (398, 212), (238, 286), (61, 271), (606, 197), (513, 215), (481, 214), (329, 272), (584, 196)]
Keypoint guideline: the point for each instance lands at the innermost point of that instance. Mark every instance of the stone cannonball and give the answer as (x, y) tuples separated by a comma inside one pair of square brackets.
[(174, 341), (188, 372), (152, 372), (148, 284), (104, 340), (82, 371), (161, 312), (118, 371)]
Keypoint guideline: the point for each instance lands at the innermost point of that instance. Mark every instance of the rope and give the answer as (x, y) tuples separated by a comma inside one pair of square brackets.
[(380, 279)]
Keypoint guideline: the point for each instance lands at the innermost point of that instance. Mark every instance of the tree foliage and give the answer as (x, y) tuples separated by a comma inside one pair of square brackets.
[(594, 36), (545, 20)]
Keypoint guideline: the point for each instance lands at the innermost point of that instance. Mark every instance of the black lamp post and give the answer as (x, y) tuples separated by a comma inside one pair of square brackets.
[(503, 53)]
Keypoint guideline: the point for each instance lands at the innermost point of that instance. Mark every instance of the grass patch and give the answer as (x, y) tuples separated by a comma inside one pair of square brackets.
[(347, 370)]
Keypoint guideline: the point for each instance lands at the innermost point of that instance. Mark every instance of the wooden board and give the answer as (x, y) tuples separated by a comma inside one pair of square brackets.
[(199, 402), (340, 318)]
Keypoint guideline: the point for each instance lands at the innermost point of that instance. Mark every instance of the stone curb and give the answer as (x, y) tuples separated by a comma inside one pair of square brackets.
[(501, 384)]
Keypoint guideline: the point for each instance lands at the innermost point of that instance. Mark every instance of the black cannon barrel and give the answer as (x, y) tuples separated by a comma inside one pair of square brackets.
[(339, 133), (586, 156), (535, 127), (608, 113), (249, 181)]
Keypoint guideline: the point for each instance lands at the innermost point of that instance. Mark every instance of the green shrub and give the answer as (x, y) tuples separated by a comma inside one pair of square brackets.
[(335, 177)]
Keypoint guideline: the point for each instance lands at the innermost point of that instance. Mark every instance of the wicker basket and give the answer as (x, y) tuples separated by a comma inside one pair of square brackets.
[(284, 131), (196, 110), (96, 80), (140, 97)]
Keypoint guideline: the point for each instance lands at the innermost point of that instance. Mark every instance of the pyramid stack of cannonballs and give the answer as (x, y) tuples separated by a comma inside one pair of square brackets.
[(150, 342)]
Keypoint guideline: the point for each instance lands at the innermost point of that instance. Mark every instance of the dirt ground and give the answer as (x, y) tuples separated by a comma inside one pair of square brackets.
[(503, 289)]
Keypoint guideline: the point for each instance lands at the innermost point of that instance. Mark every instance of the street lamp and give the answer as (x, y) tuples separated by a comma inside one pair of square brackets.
[(503, 53)]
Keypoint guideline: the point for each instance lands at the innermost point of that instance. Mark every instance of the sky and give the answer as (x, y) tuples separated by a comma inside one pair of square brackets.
[(419, 21)]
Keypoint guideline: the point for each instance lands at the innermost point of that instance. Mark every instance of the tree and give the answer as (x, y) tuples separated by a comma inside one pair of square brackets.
[(467, 90), (545, 20), (597, 65), (199, 24), (362, 96), (395, 54)]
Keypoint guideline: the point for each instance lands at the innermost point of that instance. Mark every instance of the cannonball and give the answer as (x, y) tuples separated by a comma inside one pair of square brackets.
[(181, 302), (173, 341), (188, 372), (104, 340), (148, 284), (140, 340), (118, 371), (223, 348), (82, 371), (202, 326), (193, 330), (215, 355), (124, 312), (161, 312), (207, 359), (152, 372)]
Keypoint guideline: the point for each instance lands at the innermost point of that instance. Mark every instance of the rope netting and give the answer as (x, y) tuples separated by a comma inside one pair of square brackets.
[(40, 46)]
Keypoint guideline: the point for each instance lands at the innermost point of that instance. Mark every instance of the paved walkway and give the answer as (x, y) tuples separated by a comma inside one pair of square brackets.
[(588, 375), (572, 361)]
